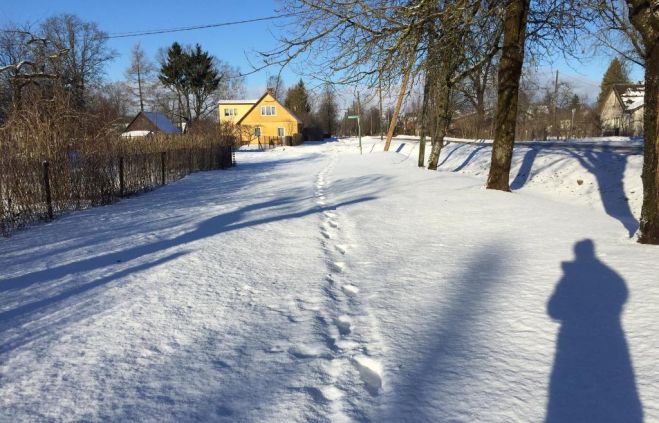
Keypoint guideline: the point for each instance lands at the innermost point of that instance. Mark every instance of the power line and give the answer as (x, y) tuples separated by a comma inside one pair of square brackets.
[(192, 28)]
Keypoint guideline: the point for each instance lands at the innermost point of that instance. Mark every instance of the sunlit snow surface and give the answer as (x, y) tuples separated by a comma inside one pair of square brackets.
[(314, 284)]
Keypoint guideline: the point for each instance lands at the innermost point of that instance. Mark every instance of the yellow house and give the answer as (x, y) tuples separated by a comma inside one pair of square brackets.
[(232, 110), (260, 120)]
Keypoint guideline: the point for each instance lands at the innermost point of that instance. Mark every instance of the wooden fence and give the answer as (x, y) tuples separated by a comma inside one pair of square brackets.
[(32, 190), (267, 142)]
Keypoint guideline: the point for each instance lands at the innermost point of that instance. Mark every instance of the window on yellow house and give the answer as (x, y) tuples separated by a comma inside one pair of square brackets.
[(280, 132), (257, 131), (268, 111), (230, 112)]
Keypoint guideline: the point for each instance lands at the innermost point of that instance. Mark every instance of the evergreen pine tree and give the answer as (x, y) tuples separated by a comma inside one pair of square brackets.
[(193, 75), (615, 74), (297, 100)]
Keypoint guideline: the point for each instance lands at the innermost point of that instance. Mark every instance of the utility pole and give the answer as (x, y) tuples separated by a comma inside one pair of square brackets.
[(380, 118), (139, 86), (572, 123), (359, 124), (556, 131)]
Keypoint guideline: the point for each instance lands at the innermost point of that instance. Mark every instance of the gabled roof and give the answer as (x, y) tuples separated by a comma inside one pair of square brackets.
[(260, 100), (136, 134), (237, 101), (162, 122), (630, 96)]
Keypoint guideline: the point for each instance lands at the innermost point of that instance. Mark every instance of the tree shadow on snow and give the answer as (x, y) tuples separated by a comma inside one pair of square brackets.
[(434, 375), (450, 153), (592, 379), (470, 157), (208, 186), (608, 167), (57, 288), (525, 169)]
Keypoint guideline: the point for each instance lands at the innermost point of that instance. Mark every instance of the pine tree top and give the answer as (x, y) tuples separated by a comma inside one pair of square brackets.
[(616, 73)]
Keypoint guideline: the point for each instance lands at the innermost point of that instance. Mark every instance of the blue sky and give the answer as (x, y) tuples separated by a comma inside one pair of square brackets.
[(233, 44)]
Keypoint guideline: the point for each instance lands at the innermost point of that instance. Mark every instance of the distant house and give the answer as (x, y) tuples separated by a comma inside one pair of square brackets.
[(622, 112), (147, 123), (260, 120)]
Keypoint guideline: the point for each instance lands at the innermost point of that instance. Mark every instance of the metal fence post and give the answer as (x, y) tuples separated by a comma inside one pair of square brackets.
[(162, 168), (46, 186), (122, 184), (233, 156)]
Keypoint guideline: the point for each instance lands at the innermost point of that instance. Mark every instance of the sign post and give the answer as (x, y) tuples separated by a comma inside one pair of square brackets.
[(359, 129)]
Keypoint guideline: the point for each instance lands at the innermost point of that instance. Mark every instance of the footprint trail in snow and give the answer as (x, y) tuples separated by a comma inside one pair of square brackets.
[(352, 363)]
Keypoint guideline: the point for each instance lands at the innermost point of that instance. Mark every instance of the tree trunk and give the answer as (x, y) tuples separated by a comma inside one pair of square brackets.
[(510, 71), (649, 230), (442, 122), (401, 95), (139, 87), (480, 116), (645, 20), (424, 121)]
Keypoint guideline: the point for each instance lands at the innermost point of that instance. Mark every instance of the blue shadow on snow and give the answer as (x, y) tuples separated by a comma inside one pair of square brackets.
[(525, 169), (592, 379)]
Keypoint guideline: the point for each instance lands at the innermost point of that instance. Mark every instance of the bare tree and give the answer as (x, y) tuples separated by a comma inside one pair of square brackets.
[(27, 60), (85, 52), (140, 74), (644, 17), (275, 84), (546, 26), (614, 31), (510, 71), (450, 61), (326, 113), (355, 42), (477, 89)]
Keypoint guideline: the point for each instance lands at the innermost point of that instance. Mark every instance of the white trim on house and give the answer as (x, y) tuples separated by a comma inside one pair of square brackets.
[(237, 101)]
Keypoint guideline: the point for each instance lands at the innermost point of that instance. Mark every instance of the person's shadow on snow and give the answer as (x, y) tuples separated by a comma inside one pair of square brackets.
[(592, 379)]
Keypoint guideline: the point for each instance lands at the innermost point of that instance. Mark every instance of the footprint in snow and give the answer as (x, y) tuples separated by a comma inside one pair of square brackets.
[(350, 290), (344, 324), (336, 266), (340, 248), (309, 351), (277, 348), (370, 372)]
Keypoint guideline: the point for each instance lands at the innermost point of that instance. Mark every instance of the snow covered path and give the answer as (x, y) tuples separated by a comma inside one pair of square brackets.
[(314, 284)]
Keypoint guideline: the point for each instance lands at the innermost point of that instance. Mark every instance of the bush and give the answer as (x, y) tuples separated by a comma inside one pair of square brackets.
[(88, 163)]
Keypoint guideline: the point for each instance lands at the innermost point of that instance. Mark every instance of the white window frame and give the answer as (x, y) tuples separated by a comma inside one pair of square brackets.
[(281, 132), (268, 111), (257, 131)]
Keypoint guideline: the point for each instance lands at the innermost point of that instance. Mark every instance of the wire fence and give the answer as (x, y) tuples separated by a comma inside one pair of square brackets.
[(35, 189)]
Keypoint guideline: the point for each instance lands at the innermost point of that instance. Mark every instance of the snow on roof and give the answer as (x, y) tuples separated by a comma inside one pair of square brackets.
[(135, 134), (237, 101), (631, 96), (162, 122)]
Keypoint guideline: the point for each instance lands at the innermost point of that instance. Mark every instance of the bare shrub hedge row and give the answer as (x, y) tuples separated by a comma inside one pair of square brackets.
[(79, 179), (88, 163)]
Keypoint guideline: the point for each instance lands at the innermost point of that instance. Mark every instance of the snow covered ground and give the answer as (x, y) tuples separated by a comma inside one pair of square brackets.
[(315, 284)]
